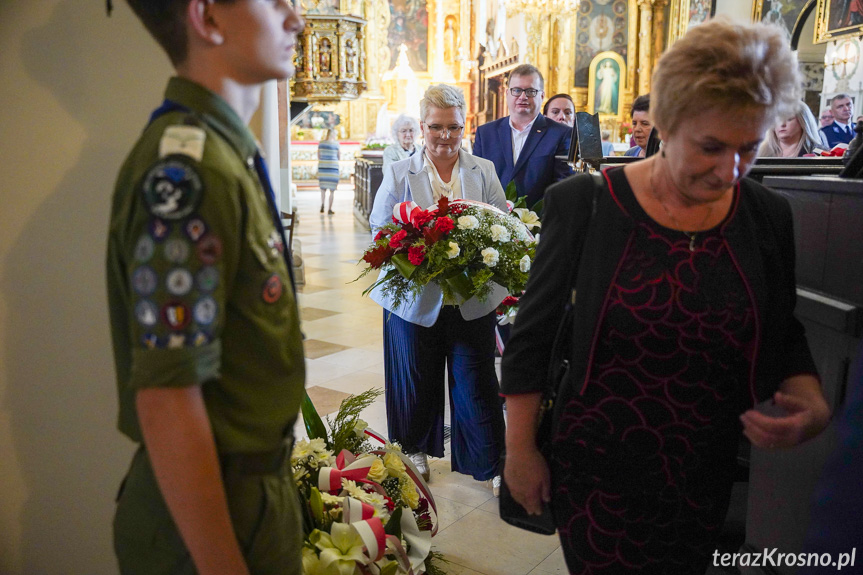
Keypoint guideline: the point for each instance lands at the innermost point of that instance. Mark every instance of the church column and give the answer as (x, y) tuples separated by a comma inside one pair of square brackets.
[(439, 64), (659, 32), (645, 29)]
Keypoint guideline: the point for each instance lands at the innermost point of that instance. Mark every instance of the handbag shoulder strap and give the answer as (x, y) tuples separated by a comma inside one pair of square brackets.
[(563, 338)]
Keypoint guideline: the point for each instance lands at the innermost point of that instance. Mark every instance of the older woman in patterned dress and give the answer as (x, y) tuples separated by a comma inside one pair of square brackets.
[(683, 321)]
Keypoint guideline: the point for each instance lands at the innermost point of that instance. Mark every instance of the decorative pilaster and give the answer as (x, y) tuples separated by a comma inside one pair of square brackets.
[(645, 46), (659, 33)]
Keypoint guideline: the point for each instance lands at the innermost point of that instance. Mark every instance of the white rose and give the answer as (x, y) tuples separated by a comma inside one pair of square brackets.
[(490, 257), (499, 233), (467, 223), (453, 250), (528, 218), (524, 264)]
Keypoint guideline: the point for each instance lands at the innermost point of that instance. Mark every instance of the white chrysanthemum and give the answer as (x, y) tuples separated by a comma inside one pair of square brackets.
[(499, 233), (314, 448), (524, 264), (490, 257), (331, 500), (453, 251), (374, 499), (468, 223)]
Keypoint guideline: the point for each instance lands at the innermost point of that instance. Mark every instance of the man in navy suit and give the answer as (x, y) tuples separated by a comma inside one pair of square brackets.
[(524, 144), (841, 131)]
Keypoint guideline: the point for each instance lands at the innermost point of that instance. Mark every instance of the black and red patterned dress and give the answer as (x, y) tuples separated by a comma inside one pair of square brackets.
[(645, 448)]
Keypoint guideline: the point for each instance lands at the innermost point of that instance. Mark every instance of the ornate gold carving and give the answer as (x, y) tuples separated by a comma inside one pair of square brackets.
[(330, 59)]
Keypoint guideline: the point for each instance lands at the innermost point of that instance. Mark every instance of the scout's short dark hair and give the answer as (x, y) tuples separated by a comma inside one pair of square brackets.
[(166, 22), (641, 104), (527, 70)]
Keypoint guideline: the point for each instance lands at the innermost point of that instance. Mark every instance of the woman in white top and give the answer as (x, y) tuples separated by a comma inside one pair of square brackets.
[(423, 337)]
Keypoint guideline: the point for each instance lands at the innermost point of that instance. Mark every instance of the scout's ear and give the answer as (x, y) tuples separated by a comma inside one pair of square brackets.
[(202, 22)]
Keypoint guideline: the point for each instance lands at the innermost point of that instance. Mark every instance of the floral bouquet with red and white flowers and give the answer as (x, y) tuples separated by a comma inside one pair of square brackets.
[(463, 246), (366, 510)]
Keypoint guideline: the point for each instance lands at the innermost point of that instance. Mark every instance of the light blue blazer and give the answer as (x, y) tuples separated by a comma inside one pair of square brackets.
[(405, 181)]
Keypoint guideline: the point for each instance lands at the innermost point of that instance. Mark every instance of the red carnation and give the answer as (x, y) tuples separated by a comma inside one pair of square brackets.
[(396, 239), (509, 300), (444, 225), (381, 234), (416, 255), (422, 219)]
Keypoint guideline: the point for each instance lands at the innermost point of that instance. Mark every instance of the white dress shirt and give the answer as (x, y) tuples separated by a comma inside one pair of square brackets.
[(519, 137)]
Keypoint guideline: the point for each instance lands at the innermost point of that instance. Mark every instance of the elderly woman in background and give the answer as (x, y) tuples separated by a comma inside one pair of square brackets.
[(405, 132), (683, 325), (423, 337), (561, 109), (793, 137)]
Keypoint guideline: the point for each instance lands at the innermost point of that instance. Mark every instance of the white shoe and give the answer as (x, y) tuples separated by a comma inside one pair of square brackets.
[(495, 485), (421, 461)]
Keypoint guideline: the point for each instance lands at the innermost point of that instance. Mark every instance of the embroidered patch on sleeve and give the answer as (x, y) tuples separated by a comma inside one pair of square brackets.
[(172, 189), (183, 140)]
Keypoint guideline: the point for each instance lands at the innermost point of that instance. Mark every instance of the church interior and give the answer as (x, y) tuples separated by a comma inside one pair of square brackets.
[(76, 91)]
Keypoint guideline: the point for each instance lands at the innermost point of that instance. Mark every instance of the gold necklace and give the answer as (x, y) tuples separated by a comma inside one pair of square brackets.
[(677, 225)]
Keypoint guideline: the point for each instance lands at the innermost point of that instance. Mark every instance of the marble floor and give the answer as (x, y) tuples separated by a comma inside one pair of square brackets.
[(344, 354)]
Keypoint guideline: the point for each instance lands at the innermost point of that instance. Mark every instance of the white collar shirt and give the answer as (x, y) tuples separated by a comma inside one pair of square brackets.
[(846, 128), (451, 190), (519, 137)]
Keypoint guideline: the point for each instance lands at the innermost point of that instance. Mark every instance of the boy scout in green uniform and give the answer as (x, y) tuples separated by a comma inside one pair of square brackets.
[(205, 328)]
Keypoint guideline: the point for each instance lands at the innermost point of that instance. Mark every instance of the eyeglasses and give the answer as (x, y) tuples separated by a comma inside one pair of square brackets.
[(438, 131), (406, 131), (530, 92)]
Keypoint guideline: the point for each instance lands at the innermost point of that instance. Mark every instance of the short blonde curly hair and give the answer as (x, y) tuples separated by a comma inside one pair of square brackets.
[(727, 65), (442, 96)]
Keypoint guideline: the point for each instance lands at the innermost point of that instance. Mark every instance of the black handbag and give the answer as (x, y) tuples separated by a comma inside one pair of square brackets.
[(510, 510)]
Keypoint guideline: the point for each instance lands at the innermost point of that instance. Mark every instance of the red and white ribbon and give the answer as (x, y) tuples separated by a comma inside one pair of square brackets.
[(405, 212), (356, 510), (347, 467), (377, 436), (370, 529)]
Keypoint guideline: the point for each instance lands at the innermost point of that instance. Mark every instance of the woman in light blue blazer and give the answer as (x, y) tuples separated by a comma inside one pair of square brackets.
[(424, 337)]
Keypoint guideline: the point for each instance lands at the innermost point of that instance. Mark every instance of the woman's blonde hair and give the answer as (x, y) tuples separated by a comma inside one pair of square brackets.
[(332, 134), (810, 137), (442, 96), (727, 65)]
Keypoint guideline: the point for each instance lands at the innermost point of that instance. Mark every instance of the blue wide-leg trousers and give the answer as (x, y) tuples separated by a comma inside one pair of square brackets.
[(415, 362)]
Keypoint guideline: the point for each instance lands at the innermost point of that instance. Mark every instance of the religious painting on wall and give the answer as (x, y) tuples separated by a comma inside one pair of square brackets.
[(601, 26), (409, 26), (606, 81), (783, 13), (319, 6), (836, 19), (688, 13)]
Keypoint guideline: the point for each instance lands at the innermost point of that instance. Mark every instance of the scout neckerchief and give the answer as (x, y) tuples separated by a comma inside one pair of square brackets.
[(263, 176)]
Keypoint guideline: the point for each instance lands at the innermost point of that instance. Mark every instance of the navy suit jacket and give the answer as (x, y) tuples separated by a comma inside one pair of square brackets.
[(835, 135), (537, 167)]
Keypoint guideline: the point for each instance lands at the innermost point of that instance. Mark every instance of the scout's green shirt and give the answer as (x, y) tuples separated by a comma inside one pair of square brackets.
[(198, 289)]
